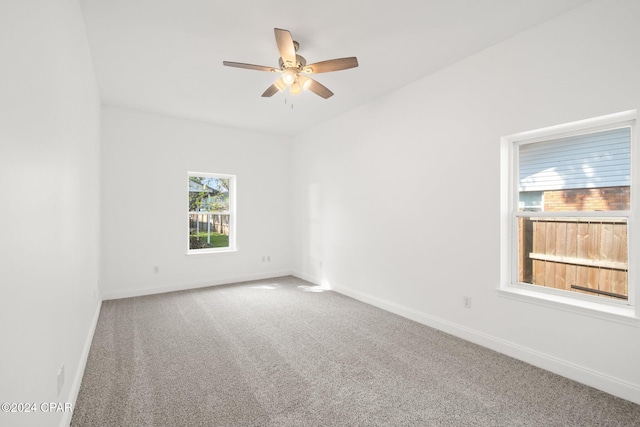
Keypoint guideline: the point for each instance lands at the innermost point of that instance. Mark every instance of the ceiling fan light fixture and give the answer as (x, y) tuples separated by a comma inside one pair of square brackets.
[(304, 82), (289, 76), (295, 88)]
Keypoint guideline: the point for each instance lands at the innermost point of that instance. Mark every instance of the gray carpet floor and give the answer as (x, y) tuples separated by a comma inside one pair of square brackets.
[(282, 352)]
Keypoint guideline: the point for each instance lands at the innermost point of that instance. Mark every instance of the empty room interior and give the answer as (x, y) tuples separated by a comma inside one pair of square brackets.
[(319, 213)]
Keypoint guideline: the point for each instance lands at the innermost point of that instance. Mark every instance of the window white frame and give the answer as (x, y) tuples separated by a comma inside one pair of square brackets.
[(624, 311), (232, 214)]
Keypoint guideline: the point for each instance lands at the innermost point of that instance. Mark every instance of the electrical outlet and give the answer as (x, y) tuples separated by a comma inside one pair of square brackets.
[(466, 302), (60, 379), (156, 269)]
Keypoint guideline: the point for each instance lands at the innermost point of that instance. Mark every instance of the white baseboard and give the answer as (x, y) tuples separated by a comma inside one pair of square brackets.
[(309, 278), (600, 381), (77, 378), (117, 294)]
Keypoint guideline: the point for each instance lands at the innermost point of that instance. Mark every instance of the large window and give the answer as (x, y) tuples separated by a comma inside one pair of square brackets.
[(569, 206), (211, 211)]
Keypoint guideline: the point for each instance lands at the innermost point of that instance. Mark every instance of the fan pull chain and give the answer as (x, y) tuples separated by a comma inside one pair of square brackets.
[(285, 97)]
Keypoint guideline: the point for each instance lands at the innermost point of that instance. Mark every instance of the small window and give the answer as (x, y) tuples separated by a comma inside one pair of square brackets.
[(570, 209), (211, 212)]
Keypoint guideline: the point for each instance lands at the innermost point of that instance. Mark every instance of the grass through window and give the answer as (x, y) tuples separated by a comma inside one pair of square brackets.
[(216, 240)]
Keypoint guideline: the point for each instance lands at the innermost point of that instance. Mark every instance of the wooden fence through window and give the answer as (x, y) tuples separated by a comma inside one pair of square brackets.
[(586, 255), (209, 222)]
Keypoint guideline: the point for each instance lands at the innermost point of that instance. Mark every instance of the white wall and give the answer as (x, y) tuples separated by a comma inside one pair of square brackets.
[(49, 218), (145, 159), (398, 201)]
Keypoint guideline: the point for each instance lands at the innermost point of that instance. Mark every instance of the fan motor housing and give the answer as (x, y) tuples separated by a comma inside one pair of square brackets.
[(300, 62)]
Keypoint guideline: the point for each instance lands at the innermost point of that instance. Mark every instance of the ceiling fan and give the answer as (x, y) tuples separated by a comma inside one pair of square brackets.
[(294, 68)]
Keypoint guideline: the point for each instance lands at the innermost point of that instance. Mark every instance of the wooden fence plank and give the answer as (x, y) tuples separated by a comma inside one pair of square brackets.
[(620, 242), (582, 273), (607, 242), (550, 248), (571, 251), (538, 246), (561, 250), (604, 280), (605, 254), (619, 284), (593, 252)]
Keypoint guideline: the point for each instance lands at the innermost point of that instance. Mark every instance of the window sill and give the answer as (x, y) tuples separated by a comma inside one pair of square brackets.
[(211, 251), (614, 313)]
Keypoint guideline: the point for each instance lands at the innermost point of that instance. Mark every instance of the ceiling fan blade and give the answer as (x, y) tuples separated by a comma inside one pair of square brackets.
[(249, 66), (271, 90), (278, 86), (331, 65), (285, 46), (319, 89)]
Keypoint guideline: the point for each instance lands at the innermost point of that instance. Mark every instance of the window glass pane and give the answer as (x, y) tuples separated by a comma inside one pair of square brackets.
[(584, 255), (209, 212), (531, 201), (589, 172)]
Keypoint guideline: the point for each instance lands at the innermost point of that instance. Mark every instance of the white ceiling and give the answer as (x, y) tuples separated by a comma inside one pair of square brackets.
[(165, 56)]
